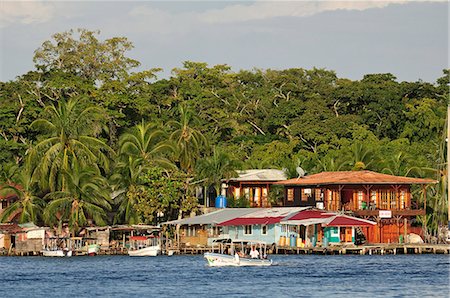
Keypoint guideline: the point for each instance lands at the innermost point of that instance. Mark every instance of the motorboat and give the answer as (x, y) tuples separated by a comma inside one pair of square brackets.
[(143, 246), (239, 253), (57, 247), (57, 253)]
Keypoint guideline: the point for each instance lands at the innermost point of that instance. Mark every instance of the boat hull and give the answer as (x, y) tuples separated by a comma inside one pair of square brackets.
[(57, 253), (221, 260), (151, 251)]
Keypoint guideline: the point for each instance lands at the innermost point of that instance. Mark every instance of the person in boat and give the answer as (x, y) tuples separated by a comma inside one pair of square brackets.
[(254, 254), (238, 253)]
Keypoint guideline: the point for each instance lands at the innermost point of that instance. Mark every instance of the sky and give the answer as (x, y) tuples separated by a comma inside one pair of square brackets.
[(409, 39)]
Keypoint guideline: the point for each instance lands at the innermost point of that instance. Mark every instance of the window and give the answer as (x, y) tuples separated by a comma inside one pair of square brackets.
[(360, 200), (384, 199), (290, 194), (263, 230), (191, 231), (373, 199), (306, 194), (247, 230), (402, 200), (393, 200)]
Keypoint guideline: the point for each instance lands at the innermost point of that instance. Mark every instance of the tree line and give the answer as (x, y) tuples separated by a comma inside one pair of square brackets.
[(86, 138)]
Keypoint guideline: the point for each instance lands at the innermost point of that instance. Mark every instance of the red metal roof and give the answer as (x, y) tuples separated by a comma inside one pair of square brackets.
[(242, 221), (347, 221), (354, 177), (308, 214)]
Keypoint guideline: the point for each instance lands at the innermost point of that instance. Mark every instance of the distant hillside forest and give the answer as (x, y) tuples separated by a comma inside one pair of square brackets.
[(87, 139)]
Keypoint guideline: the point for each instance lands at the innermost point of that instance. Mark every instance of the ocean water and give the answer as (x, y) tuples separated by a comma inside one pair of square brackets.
[(188, 276)]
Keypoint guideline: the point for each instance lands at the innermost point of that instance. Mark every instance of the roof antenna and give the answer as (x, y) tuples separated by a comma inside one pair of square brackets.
[(300, 172)]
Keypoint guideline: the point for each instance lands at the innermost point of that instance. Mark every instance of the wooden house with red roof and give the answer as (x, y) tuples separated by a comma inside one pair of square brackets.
[(383, 198)]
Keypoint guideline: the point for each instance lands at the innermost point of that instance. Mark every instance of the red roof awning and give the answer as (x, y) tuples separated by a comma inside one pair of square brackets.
[(346, 221), (244, 221), (308, 214)]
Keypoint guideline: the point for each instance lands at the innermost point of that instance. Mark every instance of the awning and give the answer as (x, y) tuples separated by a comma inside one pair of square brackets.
[(305, 222), (349, 221), (329, 219), (310, 214)]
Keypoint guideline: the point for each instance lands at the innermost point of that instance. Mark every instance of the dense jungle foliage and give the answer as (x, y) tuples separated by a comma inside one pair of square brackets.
[(85, 138)]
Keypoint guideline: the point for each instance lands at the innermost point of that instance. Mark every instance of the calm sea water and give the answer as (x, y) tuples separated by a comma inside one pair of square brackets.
[(188, 276)]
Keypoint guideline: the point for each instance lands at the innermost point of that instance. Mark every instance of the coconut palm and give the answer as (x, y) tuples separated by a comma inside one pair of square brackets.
[(147, 143), (125, 183), (216, 167), (361, 157), (399, 165), (71, 139), (28, 207), (85, 197), (188, 140)]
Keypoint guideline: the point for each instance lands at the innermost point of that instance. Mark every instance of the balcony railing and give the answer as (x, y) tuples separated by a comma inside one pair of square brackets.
[(394, 212)]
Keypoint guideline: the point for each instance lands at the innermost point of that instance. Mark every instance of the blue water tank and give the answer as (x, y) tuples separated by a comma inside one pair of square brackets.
[(221, 202)]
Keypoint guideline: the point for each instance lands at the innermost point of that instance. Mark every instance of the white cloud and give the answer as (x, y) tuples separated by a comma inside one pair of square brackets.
[(264, 10), (21, 12)]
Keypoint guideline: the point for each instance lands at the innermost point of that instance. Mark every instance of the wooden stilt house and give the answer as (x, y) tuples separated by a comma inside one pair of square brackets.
[(385, 199)]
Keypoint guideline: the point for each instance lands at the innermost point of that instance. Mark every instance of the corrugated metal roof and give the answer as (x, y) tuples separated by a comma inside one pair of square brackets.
[(264, 216), (354, 177), (308, 214), (348, 221), (214, 217), (312, 217), (244, 221), (260, 175)]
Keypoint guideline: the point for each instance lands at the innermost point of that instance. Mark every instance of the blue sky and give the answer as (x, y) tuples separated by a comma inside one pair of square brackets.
[(353, 38)]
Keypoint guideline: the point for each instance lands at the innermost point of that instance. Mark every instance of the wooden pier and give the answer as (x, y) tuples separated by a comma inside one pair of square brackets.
[(372, 249), (376, 249)]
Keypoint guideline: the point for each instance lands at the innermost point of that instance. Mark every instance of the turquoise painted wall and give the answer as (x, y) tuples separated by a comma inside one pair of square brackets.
[(238, 233), (332, 233)]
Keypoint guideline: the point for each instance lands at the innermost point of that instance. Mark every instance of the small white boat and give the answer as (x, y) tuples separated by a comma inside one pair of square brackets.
[(143, 246), (150, 251), (56, 253), (220, 260), (57, 247), (236, 257)]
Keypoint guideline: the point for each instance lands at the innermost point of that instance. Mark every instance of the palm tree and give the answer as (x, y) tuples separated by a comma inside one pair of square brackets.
[(85, 197), (148, 143), (216, 167), (28, 207), (399, 165), (72, 139), (361, 157), (188, 140), (125, 182)]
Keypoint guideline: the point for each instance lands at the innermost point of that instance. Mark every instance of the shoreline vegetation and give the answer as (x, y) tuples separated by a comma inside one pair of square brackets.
[(86, 140)]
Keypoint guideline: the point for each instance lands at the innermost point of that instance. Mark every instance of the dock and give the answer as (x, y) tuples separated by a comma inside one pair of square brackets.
[(371, 249)]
